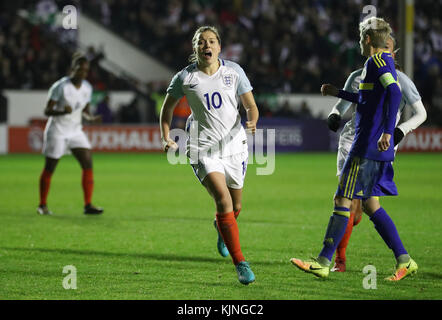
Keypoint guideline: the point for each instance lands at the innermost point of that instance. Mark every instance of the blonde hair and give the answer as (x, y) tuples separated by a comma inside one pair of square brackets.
[(378, 29), (194, 56)]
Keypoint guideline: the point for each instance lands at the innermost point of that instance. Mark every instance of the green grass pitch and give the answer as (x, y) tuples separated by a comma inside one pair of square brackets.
[(156, 238)]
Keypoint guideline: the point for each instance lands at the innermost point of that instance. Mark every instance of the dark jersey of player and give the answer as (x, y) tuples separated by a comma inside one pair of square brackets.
[(377, 106)]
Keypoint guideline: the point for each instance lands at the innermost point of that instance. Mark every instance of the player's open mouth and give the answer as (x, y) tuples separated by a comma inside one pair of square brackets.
[(208, 54)]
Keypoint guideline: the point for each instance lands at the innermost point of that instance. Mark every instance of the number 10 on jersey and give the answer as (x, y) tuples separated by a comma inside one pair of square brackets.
[(214, 101)]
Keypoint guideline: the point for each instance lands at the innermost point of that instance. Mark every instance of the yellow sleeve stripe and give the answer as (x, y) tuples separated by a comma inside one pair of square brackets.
[(376, 63), (366, 86), (381, 60), (378, 60)]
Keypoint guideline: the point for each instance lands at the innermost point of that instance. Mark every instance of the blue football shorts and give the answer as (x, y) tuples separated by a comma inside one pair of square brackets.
[(363, 178)]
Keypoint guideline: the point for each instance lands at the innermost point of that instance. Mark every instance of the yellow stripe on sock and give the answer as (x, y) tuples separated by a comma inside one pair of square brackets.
[(342, 213)]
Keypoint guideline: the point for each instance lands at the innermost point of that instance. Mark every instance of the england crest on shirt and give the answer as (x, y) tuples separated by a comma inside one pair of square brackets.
[(228, 80)]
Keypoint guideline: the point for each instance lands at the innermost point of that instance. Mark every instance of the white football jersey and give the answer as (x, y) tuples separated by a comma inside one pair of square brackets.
[(65, 93), (214, 126)]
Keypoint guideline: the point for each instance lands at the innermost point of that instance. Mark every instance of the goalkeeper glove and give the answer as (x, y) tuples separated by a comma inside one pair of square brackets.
[(398, 136), (333, 122)]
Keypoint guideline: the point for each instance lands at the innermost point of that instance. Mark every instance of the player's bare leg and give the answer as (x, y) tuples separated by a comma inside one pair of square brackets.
[(222, 249), (84, 157), (215, 183), (387, 230), (44, 185), (355, 218), (357, 207), (236, 195)]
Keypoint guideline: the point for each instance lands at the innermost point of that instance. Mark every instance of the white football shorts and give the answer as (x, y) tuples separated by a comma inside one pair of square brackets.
[(55, 146), (343, 150), (233, 167)]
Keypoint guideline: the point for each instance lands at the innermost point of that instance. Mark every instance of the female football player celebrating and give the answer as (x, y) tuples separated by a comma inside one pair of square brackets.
[(68, 102), (217, 144)]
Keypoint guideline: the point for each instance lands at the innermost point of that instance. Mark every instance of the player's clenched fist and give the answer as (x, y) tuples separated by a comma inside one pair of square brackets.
[(384, 142), (67, 109), (251, 127), (329, 90), (169, 144)]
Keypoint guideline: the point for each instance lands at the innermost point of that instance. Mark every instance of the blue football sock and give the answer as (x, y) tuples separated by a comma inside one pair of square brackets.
[(335, 231), (387, 230)]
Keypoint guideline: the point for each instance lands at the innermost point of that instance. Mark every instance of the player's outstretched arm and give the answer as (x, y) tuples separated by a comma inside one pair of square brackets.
[(341, 107), (330, 90), (166, 115), (50, 109), (248, 101)]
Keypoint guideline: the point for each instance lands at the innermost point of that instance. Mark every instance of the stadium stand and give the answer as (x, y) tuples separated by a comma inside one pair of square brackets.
[(312, 47)]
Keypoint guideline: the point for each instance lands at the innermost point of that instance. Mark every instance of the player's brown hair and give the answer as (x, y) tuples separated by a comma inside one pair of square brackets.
[(194, 56)]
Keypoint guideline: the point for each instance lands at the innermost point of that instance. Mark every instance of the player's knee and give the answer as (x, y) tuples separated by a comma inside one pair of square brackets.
[(86, 161), (358, 217), (364, 206), (341, 202), (237, 207), (51, 164), (223, 204), (87, 165), (369, 208)]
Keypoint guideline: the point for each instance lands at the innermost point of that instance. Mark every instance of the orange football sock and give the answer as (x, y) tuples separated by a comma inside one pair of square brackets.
[(87, 182), (340, 250), (45, 183), (228, 228)]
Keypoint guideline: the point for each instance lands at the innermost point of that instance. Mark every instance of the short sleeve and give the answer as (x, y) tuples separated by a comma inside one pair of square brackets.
[(90, 91), (244, 84), (175, 88), (55, 91), (352, 83), (408, 88)]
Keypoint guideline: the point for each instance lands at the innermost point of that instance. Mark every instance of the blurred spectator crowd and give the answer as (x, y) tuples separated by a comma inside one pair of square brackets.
[(35, 55), (284, 46)]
